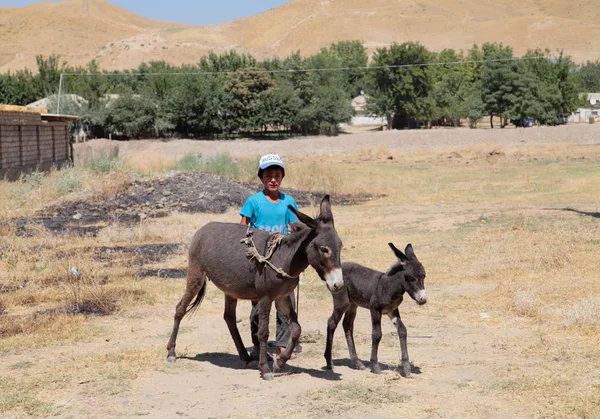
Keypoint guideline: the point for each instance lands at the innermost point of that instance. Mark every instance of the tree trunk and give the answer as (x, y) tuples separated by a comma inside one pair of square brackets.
[(492, 120)]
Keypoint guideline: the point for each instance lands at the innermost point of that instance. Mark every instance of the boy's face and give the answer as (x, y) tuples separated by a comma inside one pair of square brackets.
[(272, 178)]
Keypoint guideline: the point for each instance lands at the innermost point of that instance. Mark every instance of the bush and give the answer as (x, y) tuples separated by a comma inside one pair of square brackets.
[(70, 180), (105, 164), (222, 164), (190, 162)]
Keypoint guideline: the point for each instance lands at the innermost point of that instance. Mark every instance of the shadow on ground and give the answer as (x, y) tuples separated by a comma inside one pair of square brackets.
[(589, 214), (345, 362), (231, 361)]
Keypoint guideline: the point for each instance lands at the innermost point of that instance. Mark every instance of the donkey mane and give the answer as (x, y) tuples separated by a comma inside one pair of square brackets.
[(297, 234)]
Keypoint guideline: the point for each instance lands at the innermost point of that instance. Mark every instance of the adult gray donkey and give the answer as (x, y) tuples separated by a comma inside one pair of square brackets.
[(220, 252)]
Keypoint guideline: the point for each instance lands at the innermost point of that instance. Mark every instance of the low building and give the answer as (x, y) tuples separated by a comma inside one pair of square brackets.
[(361, 118), (590, 113)]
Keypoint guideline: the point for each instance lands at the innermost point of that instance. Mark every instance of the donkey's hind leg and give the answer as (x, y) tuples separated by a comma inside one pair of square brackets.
[(287, 309), (195, 287), (230, 319), (402, 334), (348, 324)]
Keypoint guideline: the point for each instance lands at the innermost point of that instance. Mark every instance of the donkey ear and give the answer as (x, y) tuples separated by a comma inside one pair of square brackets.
[(410, 253), (310, 222), (398, 253), (325, 213)]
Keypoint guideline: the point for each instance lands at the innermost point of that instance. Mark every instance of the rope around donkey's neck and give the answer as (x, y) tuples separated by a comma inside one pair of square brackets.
[(253, 254)]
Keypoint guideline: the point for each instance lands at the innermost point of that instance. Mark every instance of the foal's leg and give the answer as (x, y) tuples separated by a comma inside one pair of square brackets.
[(348, 324), (287, 309), (229, 316), (375, 339), (340, 305), (264, 311), (195, 286), (402, 334)]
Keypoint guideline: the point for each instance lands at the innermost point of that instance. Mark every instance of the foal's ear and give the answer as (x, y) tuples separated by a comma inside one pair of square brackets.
[(410, 253), (398, 253), (325, 214), (310, 222)]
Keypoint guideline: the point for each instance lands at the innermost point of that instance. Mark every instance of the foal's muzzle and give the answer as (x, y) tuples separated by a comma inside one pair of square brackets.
[(334, 280), (421, 297)]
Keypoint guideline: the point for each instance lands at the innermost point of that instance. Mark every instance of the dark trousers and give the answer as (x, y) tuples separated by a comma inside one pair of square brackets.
[(284, 327)]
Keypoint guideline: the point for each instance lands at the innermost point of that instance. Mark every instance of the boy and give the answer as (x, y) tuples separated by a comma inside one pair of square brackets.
[(268, 210)]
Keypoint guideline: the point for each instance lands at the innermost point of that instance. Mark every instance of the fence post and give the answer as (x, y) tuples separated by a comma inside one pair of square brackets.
[(1, 156), (39, 152), (53, 145), (21, 146), (67, 156)]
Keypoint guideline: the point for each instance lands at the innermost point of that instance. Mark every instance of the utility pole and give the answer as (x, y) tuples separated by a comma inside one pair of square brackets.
[(85, 8)]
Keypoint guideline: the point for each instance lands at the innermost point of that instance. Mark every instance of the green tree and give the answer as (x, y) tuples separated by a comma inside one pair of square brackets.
[(555, 85), (248, 88), (353, 56), (230, 61), (400, 75), (132, 117), (200, 105), (588, 77), (48, 77), (498, 77), (451, 88)]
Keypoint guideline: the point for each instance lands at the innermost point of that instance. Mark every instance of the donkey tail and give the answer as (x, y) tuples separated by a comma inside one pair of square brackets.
[(191, 309)]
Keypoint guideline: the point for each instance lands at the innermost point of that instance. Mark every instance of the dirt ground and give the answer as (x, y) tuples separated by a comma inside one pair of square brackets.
[(362, 138), (454, 361)]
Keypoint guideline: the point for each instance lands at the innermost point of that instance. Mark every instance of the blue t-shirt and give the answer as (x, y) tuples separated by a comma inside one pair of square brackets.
[(268, 216)]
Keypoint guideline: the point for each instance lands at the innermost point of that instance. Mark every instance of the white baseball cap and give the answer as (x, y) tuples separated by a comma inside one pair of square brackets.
[(270, 160)]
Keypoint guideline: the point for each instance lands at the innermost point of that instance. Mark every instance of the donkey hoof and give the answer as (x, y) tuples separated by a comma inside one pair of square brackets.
[(277, 366), (268, 376), (407, 369), (171, 359), (359, 366), (376, 369)]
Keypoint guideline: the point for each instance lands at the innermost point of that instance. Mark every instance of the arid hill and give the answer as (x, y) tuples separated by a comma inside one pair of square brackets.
[(119, 39)]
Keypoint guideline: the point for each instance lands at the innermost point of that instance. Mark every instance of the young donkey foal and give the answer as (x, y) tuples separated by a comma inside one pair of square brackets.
[(217, 253), (381, 293)]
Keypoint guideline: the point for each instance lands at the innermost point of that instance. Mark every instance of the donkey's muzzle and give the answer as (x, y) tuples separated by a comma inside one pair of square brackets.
[(334, 280), (421, 297)]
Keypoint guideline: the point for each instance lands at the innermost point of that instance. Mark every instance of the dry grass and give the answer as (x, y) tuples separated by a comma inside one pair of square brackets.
[(513, 236)]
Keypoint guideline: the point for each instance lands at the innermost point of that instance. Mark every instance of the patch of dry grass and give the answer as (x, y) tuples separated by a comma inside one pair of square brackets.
[(510, 236)]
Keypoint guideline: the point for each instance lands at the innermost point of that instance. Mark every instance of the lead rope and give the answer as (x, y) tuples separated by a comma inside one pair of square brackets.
[(252, 252)]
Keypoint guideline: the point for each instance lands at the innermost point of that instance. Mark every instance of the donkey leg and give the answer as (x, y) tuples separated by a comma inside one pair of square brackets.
[(229, 317), (348, 324), (332, 323), (287, 309), (402, 334), (264, 311), (195, 287), (375, 339)]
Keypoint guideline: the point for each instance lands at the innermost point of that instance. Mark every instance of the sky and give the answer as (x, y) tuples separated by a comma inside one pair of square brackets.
[(193, 12)]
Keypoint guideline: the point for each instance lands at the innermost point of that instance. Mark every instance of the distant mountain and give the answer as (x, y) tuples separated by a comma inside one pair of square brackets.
[(119, 39)]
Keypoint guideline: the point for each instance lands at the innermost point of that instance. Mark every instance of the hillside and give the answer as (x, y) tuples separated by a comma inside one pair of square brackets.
[(119, 39)]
